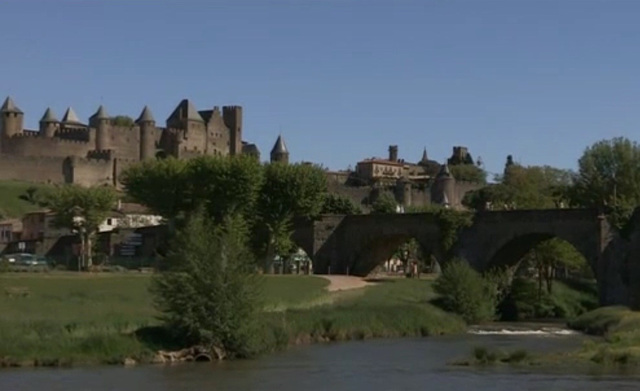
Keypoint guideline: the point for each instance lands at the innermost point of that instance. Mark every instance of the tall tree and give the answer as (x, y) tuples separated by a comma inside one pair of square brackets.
[(208, 293), (609, 178), (225, 186), (161, 185), (288, 191), (81, 210)]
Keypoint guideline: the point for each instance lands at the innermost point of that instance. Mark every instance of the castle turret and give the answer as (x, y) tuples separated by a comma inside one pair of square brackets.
[(279, 152), (11, 118), (102, 123), (232, 116), (443, 189), (147, 134), (49, 124)]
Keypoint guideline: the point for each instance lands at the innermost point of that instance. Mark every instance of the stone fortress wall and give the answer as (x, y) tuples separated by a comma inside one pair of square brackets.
[(70, 151)]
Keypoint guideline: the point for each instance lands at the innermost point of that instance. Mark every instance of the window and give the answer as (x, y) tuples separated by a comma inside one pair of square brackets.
[(109, 221)]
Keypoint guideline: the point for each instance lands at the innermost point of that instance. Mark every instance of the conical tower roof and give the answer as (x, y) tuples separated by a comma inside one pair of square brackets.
[(280, 146), (49, 116), (9, 106), (101, 113), (146, 115), (70, 117)]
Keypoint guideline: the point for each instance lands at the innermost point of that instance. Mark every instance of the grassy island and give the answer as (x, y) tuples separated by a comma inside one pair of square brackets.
[(65, 319)]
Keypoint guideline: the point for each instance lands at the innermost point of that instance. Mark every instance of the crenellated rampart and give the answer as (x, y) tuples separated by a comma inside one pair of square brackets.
[(27, 145), (78, 134)]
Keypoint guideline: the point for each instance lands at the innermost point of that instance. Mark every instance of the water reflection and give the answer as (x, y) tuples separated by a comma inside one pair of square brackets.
[(407, 364)]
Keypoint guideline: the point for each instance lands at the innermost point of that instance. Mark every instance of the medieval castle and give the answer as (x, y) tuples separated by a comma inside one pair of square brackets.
[(70, 151)]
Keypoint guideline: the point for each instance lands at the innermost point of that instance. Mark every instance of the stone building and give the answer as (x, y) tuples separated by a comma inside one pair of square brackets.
[(71, 151), (423, 183)]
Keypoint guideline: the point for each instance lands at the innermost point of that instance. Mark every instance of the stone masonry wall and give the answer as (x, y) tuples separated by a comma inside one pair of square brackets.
[(39, 146), (32, 168)]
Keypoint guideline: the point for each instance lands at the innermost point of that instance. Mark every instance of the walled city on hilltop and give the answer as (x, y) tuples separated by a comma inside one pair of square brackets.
[(68, 150)]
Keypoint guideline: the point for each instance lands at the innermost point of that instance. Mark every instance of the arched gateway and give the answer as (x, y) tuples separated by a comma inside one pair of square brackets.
[(357, 244)]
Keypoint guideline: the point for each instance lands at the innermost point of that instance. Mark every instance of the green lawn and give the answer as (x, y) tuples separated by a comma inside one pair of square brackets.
[(10, 203), (63, 297)]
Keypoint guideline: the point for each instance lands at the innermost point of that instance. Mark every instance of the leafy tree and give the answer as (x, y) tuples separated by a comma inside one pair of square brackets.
[(550, 256), (468, 172), (339, 205), (288, 191), (225, 186), (384, 204), (609, 178), (82, 210), (122, 120), (161, 185), (208, 293)]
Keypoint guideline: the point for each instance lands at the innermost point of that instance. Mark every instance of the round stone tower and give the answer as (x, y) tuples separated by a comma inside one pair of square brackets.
[(11, 118), (49, 124), (443, 189), (102, 123), (147, 125)]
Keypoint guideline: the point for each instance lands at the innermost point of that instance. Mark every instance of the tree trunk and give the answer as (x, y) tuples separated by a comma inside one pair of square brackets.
[(82, 252), (549, 277), (89, 251)]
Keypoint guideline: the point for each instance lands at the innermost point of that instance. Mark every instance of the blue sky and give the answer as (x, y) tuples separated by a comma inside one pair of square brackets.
[(343, 79)]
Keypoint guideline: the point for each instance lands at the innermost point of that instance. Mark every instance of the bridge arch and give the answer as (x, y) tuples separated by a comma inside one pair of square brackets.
[(511, 250), (376, 251)]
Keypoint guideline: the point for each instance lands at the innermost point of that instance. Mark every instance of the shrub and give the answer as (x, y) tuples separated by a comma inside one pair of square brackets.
[(208, 294), (465, 292)]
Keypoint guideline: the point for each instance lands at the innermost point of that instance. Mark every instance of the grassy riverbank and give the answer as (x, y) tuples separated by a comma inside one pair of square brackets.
[(70, 319)]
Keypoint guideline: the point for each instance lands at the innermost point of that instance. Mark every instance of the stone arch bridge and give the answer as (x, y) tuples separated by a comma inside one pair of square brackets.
[(356, 244)]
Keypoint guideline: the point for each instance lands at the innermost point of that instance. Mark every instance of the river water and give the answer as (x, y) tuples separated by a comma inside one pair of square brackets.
[(389, 365)]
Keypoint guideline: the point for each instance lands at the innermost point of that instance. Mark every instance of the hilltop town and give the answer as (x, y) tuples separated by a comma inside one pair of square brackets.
[(95, 152)]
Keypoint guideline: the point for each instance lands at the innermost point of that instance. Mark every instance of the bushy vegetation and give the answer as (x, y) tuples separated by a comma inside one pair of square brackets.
[(208, 292), (465, 292), (569, 299), (339, 205), (384, 204)]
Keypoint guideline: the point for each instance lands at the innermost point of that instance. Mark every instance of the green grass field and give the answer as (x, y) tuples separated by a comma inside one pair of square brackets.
[(10, 203), (69, 318)]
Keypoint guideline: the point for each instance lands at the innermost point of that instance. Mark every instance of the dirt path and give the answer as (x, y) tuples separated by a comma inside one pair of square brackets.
[(343, 283)]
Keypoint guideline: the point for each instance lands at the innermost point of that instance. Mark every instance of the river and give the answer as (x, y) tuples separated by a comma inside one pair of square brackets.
[(389, 365)]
